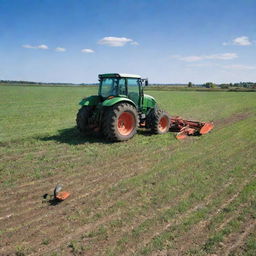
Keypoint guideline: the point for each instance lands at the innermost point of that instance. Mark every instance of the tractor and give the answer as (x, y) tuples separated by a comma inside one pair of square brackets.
[(120, 108)]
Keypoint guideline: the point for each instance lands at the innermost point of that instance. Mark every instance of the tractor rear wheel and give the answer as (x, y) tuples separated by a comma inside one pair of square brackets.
[(82, 119), (159, 121), (120, 122)]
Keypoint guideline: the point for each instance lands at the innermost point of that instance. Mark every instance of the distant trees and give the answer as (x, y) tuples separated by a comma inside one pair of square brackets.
[(224, 86), (239, 85), (15, 82), (190, 84), (18, 82), (244, 85), (209, 85)]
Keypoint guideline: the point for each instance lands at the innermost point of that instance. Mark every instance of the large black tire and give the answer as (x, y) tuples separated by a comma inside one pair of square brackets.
[(158, 121), (82, 119), (120, 122)]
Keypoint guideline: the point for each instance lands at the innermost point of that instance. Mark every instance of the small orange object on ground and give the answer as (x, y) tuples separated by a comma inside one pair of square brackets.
[(62, 195)]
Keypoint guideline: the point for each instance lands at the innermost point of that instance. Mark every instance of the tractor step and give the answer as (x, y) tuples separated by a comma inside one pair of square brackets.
[(188, 127)]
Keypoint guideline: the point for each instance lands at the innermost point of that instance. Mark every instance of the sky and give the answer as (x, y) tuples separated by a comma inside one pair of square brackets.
[(167, 41)]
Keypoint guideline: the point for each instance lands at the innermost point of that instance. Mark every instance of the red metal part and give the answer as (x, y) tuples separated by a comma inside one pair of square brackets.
[(188, 127), (62, 195)]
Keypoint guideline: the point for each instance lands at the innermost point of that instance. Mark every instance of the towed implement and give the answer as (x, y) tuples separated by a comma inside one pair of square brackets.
[(121, 107), (188, 127)]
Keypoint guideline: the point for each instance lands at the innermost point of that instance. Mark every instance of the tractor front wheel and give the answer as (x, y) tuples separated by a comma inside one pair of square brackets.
[(120, 122), (82, 119), (159, 121)]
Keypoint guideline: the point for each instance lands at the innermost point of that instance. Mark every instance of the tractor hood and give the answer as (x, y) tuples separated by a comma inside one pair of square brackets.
[(149, 101), (90, 101)]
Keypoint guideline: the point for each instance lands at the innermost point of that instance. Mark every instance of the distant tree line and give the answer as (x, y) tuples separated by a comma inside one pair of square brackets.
[(24, 82), (239, 85), (15, 82), (251, 85)]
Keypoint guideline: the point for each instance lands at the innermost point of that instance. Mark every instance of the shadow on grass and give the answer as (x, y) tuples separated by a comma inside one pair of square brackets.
[(72, 136), (54, 202), (144, 132), (50, 200)]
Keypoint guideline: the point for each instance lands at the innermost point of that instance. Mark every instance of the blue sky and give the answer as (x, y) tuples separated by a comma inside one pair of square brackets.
[(164, 40)]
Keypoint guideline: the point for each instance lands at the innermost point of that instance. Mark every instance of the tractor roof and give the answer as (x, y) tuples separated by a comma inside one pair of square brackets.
[(118, 75)]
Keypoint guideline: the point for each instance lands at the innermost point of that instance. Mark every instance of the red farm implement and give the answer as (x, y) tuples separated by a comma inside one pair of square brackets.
[(188, 127)]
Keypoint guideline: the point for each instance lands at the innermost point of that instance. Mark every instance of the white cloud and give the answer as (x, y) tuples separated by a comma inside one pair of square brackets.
[(242, 40), (239, 67), (60, 49), (134, 43), (193, 58), (190, 58), (222, 56), (28, 46), (87, 51), (116, 41), (199, 65), (41, 46)]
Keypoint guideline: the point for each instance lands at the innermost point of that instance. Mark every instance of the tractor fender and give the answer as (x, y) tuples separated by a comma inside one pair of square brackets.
[(90, 101), (115, 100)]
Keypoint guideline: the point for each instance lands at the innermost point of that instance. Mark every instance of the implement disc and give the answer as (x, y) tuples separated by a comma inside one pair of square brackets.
[(206, 128)]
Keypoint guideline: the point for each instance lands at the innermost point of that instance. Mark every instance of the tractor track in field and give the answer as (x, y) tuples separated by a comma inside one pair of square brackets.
[(235, 240), (236, 117), (160, 229), (149, 215), (78, 232), (199, 232), (135, 224)]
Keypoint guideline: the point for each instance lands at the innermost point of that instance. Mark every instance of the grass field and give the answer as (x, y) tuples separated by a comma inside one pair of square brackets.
[(152, 195)]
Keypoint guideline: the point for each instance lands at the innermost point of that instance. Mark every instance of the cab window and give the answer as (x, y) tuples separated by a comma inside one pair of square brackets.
[(108, 87), (133, 90), (122, 87)]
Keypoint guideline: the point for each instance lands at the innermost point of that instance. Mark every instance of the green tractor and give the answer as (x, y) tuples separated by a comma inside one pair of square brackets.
[(120, 108)]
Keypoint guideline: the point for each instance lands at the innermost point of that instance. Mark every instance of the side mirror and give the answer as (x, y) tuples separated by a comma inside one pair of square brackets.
[(144, 82)]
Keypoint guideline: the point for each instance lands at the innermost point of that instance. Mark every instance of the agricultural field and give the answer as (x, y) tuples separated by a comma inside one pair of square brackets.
[(152, 195)]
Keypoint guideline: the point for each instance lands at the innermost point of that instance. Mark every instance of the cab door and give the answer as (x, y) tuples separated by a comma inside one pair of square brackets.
[(134, 93)]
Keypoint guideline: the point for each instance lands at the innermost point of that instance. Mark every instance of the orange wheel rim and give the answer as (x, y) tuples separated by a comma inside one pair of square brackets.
[(126, 123), (163, 124)]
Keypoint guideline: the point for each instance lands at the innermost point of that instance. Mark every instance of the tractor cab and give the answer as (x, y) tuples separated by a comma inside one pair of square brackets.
[(122, 85)]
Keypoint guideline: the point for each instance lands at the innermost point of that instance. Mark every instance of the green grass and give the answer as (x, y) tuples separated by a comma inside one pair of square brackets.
[(151, 193), (28, 111)]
